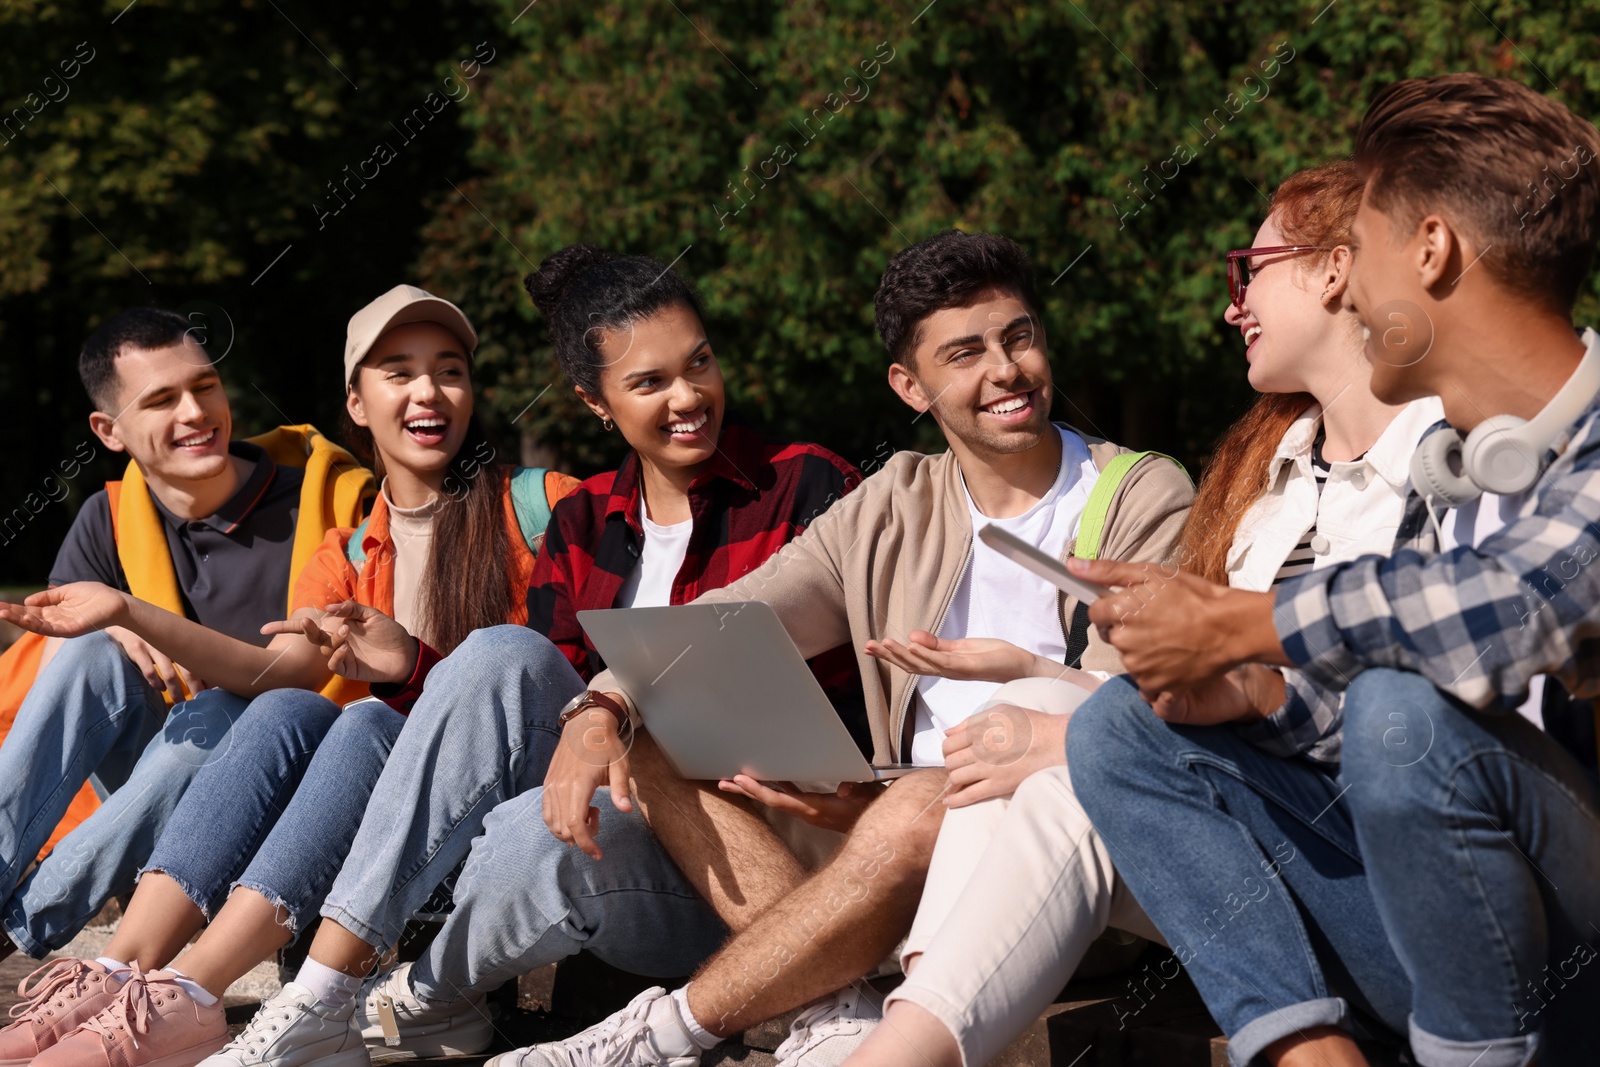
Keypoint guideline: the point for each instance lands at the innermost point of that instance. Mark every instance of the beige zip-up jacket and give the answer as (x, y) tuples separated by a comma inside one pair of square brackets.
[(887, 559)]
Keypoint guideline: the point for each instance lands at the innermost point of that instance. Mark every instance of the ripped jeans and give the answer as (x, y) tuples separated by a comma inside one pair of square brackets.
[(278, 810)]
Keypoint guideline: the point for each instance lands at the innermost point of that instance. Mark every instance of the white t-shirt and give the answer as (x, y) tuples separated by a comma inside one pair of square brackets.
[(1471, 524), (997, 598), (650, 584)]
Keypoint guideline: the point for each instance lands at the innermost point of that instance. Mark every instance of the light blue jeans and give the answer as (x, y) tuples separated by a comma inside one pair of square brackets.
[(526, 900), (483, 732), (278, 812), (91, 716)]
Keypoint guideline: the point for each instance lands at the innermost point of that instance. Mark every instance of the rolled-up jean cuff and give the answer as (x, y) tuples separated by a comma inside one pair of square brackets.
[(16, 927), (370, 934), (291, 920), (949, 1016), (1256, 1035), (1500, 1052), (187, 889)]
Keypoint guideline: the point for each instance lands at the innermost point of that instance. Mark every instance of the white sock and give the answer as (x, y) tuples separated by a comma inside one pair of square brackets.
[(334, 988), (668, 1036), (114, 966), (191, 987), (697, 1033)]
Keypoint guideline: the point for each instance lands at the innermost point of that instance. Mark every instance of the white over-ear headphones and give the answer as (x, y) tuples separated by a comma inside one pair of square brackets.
[(1503, 454)]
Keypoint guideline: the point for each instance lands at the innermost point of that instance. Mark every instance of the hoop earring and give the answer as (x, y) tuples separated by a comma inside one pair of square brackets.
[(608, 425)]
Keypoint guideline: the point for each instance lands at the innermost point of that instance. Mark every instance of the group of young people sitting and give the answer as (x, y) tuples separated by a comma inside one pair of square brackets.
[(1327, 737)]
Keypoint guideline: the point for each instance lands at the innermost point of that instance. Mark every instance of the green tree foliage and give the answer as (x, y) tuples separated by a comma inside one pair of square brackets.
[(778, 153), (1127, 146), (192, 148)]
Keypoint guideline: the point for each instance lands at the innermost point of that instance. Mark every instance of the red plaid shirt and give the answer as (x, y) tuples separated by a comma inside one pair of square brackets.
[(752, 498)]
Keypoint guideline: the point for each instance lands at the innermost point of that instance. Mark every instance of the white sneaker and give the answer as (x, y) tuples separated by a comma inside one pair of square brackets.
[(295, 1029), (646, 1033), (825, 1034), (397, 1024)]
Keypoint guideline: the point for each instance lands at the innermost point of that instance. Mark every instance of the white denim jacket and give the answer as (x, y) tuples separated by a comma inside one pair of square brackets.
[(1357, 512)]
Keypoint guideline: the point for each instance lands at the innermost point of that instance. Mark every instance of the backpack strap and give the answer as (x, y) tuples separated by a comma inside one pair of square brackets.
[(528, 499), (1077, 636), (1092, 526), (355, 549), (531, 502)]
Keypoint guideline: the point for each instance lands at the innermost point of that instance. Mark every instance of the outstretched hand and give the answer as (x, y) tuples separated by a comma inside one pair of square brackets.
[(70, 610), (80, 608), (361, 643), (966, 659)]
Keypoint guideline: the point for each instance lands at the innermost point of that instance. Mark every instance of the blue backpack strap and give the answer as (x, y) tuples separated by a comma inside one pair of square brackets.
[(530, 502), (353, 548)]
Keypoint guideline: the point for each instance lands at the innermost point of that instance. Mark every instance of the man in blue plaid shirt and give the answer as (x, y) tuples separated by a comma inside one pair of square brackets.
[(1369, 807)]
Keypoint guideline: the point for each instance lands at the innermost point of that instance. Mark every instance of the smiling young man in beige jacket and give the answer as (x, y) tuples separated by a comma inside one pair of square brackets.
[(937, 620)]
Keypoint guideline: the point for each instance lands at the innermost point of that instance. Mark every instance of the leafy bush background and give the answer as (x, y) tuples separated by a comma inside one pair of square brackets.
[(199, 142)]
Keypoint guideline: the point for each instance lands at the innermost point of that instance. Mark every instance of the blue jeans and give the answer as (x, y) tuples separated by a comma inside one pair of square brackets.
[(281, 824), (237, 800), (482, 732), (90, 716), (525, 900), (1247, 864), (1481, 837)]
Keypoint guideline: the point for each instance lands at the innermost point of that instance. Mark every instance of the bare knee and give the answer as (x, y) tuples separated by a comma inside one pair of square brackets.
[(900, 828), (683, 800)]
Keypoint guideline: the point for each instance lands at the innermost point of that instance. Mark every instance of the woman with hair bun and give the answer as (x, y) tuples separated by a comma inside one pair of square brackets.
[(700, 500)]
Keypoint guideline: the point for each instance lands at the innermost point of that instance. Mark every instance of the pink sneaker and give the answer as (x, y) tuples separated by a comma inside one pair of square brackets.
[(64, 993), (150, 1022)]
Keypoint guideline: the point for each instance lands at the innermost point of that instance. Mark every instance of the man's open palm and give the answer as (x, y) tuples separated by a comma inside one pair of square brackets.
[(67, 611)]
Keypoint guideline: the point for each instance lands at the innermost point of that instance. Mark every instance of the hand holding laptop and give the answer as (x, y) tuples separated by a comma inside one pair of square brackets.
[(836, 811)]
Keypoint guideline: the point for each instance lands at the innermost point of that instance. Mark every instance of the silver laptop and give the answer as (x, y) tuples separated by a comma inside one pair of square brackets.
[(724, 691)]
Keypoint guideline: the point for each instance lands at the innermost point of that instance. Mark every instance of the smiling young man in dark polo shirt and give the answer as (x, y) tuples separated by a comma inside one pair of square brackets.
[(200, 524)]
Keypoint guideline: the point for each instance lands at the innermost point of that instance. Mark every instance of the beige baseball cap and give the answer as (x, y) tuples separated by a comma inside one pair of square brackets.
[(400, 305)]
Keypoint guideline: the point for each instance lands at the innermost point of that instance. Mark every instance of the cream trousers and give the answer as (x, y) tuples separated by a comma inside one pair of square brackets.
[(1019, 888)]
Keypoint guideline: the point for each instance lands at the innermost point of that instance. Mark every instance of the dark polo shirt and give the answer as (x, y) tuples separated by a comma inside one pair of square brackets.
[(232, 567)]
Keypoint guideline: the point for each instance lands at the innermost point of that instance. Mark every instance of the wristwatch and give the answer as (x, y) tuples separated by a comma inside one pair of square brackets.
[(590, 699)]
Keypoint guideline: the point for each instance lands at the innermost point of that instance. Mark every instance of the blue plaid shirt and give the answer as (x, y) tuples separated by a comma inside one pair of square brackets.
[(1478, 622)]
